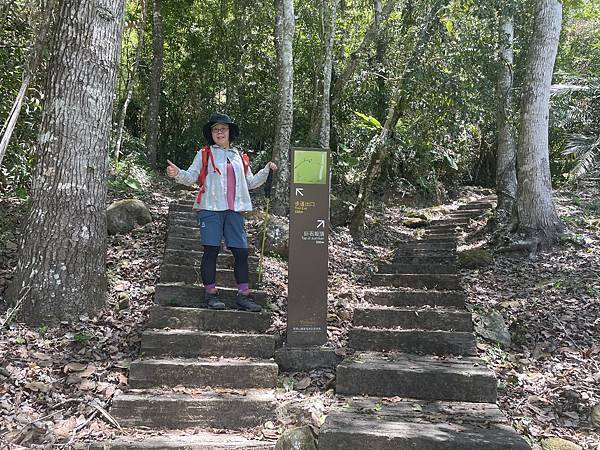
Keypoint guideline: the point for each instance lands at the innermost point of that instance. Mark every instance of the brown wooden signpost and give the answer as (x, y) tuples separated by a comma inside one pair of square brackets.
[(308, 254)]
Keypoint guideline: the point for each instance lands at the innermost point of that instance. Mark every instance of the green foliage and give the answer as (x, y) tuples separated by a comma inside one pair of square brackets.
[(130, 174), (220, 56), (16, 32)]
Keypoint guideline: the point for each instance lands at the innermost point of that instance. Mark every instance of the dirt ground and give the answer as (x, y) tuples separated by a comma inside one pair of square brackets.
[(56, 384)]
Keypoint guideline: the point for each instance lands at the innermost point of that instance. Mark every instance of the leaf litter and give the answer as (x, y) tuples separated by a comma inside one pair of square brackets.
[(56, 384)]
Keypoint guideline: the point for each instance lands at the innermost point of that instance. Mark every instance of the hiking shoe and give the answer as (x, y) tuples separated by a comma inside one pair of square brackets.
[(246, 303), (213, 302)]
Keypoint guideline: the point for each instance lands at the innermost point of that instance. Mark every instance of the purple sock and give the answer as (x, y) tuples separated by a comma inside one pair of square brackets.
[(243, 287), (210, 287)]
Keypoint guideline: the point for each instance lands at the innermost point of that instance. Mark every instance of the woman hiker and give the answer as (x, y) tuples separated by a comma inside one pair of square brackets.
[(222, 200)]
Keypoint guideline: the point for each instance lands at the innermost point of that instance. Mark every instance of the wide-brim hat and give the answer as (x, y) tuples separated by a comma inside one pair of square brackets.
[(234, 130)]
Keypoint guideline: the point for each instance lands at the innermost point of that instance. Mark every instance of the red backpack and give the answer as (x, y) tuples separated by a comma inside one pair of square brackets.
[(206, 155)]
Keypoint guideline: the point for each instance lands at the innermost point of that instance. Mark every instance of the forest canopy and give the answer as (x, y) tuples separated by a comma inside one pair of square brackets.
[(221, 55)]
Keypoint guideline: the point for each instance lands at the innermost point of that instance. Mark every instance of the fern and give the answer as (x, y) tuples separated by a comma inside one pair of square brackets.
[(585, 149)]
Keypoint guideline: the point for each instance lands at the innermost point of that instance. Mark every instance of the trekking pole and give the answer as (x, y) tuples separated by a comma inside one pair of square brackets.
[(268, 186)]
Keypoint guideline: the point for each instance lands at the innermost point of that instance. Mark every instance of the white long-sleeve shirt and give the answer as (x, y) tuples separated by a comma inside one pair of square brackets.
[(214, 197)]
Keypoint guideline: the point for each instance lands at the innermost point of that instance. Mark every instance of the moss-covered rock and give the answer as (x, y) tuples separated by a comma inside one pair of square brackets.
[(124, 215), (415, 222), (555, 443), (474, 258)]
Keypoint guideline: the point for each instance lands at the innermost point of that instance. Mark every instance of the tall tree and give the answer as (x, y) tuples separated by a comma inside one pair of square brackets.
[(356, 55), (325, 127), (379, 61), (536, 215), (45, 14), (60, 271), (284, 37), (131, 74), (378, 145), (506, 153), (153, 122)]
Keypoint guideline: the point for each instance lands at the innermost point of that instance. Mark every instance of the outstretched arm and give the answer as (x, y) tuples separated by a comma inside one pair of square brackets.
[(187, 177)]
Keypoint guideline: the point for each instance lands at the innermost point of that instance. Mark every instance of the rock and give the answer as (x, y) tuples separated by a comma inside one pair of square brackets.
[(491, 326), (555, 443), (474, 258), (296, 439), (595, 416), (300, 412), (123, 300), (276, 237), (125, 215), (339, 211)]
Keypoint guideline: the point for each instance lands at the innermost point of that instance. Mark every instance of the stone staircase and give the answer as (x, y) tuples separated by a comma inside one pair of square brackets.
[(198, 368), (414, 381)]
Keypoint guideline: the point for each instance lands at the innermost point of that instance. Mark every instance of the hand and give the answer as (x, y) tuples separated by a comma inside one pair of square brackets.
[(272, 166), (172, 169)]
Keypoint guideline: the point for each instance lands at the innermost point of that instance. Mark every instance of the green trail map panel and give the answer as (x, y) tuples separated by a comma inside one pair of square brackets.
[(310, 167)]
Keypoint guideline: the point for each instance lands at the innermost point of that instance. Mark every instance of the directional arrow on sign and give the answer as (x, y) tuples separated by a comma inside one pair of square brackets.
[(320, 224), (300, 192)]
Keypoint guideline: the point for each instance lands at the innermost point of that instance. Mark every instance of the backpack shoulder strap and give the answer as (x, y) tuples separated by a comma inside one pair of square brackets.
[(206, 154), (245, 161)]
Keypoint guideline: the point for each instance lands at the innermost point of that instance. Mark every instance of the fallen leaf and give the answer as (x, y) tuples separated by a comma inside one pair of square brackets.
[(37, 386), (303, 383), (74, 367)]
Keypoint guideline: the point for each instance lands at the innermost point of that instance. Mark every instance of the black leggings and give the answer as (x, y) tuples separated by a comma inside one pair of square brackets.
[(208, 267)]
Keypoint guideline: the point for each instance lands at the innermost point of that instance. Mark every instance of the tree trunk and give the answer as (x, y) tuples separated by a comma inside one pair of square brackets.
[(325, 128), (536, 215), (37, 48), (284, 35), (378, 145), (153, 124), (379, 63), (506, 176), (354, 59), (131, 74), (60, 271)]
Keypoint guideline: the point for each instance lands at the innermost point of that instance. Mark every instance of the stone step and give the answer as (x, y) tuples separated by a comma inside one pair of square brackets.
[(425, 259), (181, 222), (416, 298), (416, 268), (190, 344), (171, 273), (476, 206), (431, 342), (177, 294), (194, 259), (208, 319), (200, 440), (410, 424), (186, 207), (450, 222), (182, 219), (439, 238), (442, 227), (448, 244), (182, 231), (431, 247), (421, 377), (402, 255), (173, 410), (463, 215), (434, 236), (428, 281), (214, 372), (447, 319), (192, 243)]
